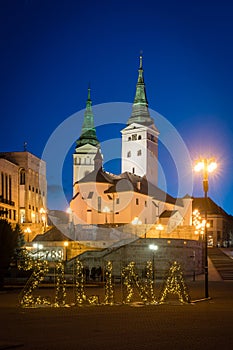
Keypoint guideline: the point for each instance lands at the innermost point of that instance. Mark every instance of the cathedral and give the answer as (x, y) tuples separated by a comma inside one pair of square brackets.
[(102, 198)]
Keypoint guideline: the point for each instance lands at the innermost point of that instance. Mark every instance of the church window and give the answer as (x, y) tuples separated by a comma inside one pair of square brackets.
[(145, 203), (129, 138), (90, 195), (137, 201), (129, 154), (118, 201), (139, 153), (133, 170), (139, 137), (134, 137)]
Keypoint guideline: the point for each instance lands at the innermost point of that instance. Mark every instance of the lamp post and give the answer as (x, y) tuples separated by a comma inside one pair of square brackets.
[(136, 221), (65, 250), (206, 166), (27, 232), (106, 210), (43, 217), (160, 228), (153, 247)]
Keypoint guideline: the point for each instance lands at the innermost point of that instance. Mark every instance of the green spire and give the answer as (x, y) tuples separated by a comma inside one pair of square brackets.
[(140, 113), (88, 133)]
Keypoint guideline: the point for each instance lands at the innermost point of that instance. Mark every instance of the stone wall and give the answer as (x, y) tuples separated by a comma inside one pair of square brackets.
[(186, 252)]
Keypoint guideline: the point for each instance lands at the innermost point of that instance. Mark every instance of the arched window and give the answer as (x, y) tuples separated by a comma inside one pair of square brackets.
[(129, 154), (22, 177), (139, 137), (129, 138), (139, 152)]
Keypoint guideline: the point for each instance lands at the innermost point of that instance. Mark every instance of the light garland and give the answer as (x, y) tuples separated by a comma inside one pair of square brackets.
[(80, 296), (79, 292), (109, 293), (175, 284), (149, 284), (40, 268), (60, 294), (130, 278)]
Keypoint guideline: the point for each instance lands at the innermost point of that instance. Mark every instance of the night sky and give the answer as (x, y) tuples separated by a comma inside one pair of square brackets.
[(51, 50)]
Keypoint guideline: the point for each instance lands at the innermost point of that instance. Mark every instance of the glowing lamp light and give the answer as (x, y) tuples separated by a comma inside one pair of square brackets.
[(207, 165), (136, 221), (153, 247)]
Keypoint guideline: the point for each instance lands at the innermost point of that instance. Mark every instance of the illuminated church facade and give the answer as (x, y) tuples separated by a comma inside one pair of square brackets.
[(101, 198)]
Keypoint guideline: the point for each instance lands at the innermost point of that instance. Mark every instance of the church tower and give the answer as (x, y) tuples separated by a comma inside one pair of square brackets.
[(140, 137), (87, 145)]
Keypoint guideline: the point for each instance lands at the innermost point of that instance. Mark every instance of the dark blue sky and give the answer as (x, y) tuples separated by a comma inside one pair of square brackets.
[(52, 49)]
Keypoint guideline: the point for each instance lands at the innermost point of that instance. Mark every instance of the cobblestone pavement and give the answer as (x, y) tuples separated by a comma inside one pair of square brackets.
[(200, 325)]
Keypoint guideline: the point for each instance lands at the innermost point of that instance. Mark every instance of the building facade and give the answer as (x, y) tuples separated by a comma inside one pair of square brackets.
[(23, 193), (219, 223)]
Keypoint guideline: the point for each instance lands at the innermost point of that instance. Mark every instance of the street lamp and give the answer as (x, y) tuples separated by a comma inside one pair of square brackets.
[(136, 221), (28, 231), (160, 228), (43, 217), (153, 247), (106, 210), (65, 249), (206, 166)]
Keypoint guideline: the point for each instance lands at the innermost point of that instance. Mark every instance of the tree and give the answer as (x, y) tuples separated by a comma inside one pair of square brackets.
[(8, 244)]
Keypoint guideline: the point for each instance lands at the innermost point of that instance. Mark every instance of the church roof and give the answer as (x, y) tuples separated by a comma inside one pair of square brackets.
[(212, 208), (131, 182), (51, 235), (140, 113), (88, 133), (98, 175), (168, 213)]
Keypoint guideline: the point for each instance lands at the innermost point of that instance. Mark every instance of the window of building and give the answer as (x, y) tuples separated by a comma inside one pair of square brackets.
[(139, 152), (145, 203), (22, 216), (211, 223), (90, 195), (22, 177), (139, 137), (137, 201), (118, 201), (134, 137), (99, 204), (129, 154), (129, 138), (33, 189), (133, 170), (29, 206)]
